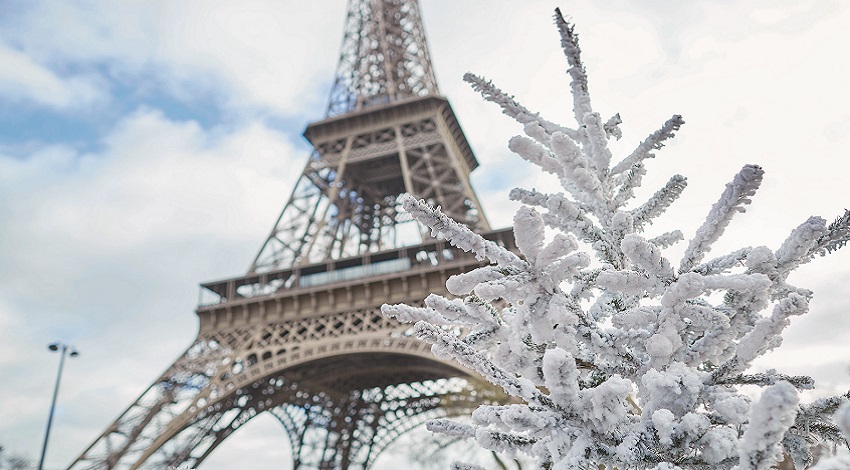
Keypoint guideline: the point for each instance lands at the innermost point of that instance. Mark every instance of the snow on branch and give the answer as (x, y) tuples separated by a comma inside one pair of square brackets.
[(660, 201), (578, 85), (512, 108), (765, 335), (667, 239), (654, 142), (733, 200), (457, 234), (447, 345), (770, 419), (837, 236), (612, 357), (802, 382), (612, 126), (534, 153), (631, 180), (723, 263), (564, 215), (813, 237), (465, 466), (578, 175), (600, 156), (842, 418)]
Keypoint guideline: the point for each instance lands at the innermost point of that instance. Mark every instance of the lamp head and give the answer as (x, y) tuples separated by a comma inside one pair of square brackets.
[(74, 353), (53, 346)]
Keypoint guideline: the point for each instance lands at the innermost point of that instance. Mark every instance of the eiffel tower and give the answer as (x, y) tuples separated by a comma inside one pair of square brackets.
[(301, 336)]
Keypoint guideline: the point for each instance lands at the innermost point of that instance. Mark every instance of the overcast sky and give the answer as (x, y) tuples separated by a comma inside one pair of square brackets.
[(147, 146)]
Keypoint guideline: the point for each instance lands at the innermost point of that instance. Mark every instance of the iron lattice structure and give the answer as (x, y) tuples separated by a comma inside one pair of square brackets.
[(384, 57), (301, 335), (387, 132)]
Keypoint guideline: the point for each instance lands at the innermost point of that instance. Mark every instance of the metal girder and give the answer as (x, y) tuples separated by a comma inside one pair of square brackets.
[(370, 385), (346, 201), (301, 336), (384, 56)]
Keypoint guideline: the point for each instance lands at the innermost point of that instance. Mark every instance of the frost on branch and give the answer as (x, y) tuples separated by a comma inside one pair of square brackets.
[(616, 357)]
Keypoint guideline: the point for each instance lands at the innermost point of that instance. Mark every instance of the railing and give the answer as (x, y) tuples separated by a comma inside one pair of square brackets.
[(431, 254)]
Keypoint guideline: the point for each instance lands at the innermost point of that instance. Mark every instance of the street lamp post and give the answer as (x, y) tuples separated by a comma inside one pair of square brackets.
[(63, 349)]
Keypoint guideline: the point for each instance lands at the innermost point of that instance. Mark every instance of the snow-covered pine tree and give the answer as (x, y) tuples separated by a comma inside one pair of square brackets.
[(625, 361)]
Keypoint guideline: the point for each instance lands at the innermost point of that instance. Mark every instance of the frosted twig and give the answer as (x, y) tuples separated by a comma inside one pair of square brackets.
[(733, 199), (631, 181), (535, 153), (837, 236), (723, 263), (612, 126), (600, 155), (667, 239), (762, 337), (578, 84), (660, 201), (770, 418), (802, 382), (576, 168), (457, 234), (654, 142), (470, 358), (511, 107)]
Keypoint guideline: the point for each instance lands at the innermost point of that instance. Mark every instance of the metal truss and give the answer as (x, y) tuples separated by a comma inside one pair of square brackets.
[(345, 202), (381, 138), (318, 376), (384, 57)]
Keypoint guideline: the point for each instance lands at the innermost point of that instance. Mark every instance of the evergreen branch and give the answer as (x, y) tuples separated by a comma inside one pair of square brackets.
[(538, 133), (659, 202), (406, 314), (502, 441), (647, 256), (723, 263), (532, 197), (761, 338), (733, 200), (800, 245), (535, 153), (612, 127), (481, 337), (451, 428), (585, 186), (512, 108), (465, 466), (667, 239), (457, 234), (837, 236), (825, 405), (583, 282), (771, 417), (468, 357), (563, 213), (630, 181), (801, 382), (600, 155), (654, 142), (578, 75)]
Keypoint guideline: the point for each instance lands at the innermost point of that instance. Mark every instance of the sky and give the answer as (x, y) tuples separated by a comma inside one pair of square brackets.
[(148, 146)]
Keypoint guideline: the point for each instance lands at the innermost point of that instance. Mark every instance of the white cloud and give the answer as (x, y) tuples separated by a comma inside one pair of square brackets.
[(233, 51), (21, 79)]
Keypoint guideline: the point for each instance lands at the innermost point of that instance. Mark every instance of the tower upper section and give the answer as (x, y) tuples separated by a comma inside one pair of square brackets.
[(384, 56), (387, 132)]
